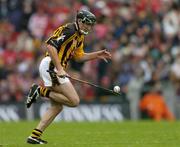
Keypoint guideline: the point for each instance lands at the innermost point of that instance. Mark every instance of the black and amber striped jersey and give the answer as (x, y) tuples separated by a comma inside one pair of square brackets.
[(68, 42)]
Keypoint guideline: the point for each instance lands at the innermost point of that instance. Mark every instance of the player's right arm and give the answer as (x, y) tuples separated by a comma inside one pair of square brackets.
[(54, 46), (54, 57)]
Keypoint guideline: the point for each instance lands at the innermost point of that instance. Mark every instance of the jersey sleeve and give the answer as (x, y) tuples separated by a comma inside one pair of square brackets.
[(60, 36)]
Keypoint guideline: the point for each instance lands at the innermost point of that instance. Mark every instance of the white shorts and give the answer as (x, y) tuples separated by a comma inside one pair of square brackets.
[(46, 76)]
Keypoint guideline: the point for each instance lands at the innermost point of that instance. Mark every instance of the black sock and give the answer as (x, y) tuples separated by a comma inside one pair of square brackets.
[(44, 92)]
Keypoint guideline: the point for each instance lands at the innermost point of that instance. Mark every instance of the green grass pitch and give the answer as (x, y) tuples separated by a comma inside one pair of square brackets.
[(95, 134)]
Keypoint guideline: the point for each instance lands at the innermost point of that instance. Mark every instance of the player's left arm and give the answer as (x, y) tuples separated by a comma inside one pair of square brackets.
[(80, 55), (103, 54)]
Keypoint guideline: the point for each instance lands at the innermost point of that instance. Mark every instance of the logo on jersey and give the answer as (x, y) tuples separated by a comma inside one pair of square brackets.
[(61, 37)]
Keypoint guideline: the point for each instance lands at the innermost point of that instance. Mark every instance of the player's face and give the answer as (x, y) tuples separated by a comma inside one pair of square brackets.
[(85, 28)]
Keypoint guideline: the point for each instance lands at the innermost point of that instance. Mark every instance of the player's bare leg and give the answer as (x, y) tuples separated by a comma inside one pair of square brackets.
[(49, 115), (63, 93), (46, 120), (60, 94)]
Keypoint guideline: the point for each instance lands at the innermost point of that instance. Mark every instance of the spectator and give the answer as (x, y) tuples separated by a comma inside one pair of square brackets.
[(171, 22), (133, 93), (175, 73), (152, 105), (38, 21)]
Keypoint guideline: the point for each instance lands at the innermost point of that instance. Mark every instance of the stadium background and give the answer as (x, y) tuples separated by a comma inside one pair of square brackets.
[(143, 37)]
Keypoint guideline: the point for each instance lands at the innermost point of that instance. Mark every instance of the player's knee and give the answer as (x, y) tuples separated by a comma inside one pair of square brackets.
[(75, 102)]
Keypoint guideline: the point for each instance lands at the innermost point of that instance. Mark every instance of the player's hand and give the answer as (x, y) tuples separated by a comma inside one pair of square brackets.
[(104, 54), (61, 73)]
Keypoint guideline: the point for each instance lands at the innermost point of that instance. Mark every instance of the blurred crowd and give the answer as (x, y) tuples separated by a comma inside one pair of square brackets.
[(142, 35)]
